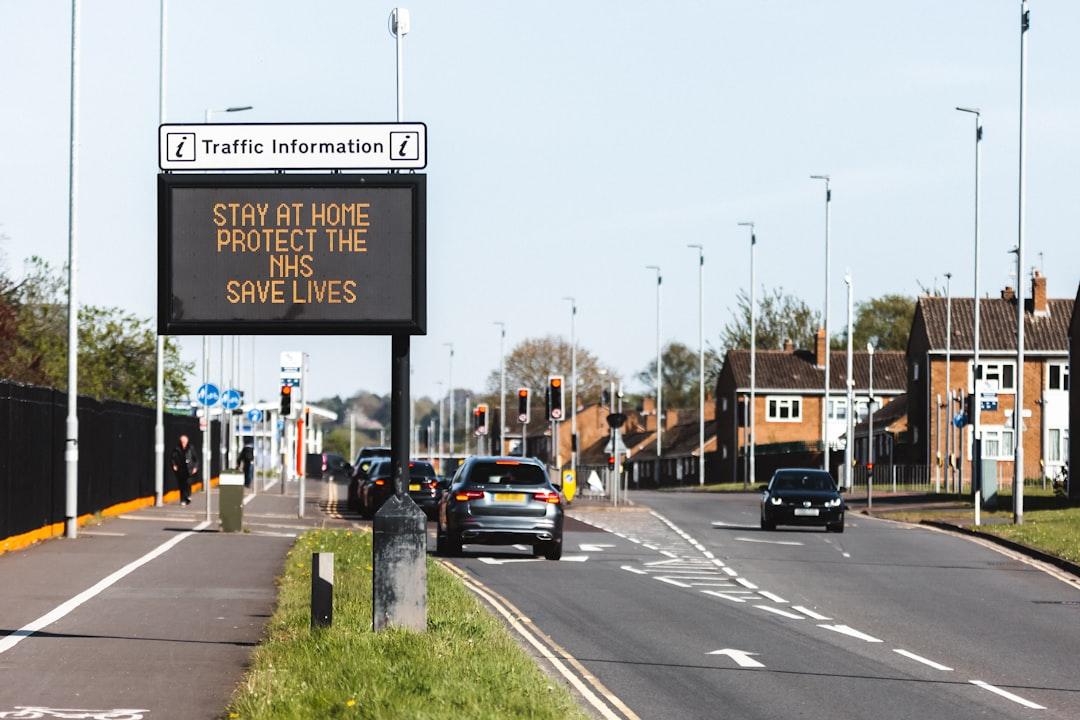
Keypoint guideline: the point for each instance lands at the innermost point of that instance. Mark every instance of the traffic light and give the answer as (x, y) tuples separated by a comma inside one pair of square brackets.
[(555, 401), (286, 401), (480, 426), (611, 461), (523, 405)]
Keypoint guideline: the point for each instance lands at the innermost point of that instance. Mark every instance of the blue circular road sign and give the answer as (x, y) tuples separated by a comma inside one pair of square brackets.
[(231, 399), (208, 394), (255, 415)]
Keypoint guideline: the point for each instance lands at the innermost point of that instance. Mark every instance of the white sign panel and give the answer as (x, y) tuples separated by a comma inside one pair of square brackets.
[(292, 146)]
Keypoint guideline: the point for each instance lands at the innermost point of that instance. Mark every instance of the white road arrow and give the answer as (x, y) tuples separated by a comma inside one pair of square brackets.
[(585, 547), (741, 657)]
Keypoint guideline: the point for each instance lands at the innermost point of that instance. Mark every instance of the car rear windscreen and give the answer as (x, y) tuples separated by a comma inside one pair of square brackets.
[(802, 481), (421, 469), (505, 473)]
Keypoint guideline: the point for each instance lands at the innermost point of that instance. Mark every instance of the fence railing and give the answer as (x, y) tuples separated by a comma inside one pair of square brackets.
[(930, 478)]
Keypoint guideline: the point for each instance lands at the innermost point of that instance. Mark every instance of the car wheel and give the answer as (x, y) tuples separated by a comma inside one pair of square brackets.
[(835, 527), (766, 525), (551, 550), (448, 544)]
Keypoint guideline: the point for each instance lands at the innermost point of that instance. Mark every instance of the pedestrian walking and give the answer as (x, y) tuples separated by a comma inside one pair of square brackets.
[(184, 467), (247, 462)]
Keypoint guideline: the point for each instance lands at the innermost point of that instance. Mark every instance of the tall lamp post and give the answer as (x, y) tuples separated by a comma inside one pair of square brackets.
[(159, 383), (870, 435), (1018, 409), (502, 383), (573, 386), (976, 409), (701, 360), (71, 441), (948, 379), (751, 475), (659, 368), (450, 388), (849, 430), (828, 352)]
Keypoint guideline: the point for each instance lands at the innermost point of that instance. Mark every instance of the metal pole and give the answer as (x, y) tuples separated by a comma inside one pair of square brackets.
[(948, 380), (1018, 410), (573, 386), (206, 427), (870, 435), (502, 385), (352, 436), (254, 427), (659, 368), (159, 393), (442, 427), (450, 387), (468, 414), (849, 430), (751, 439), (825, 319), (937, 466), (71, 443), (301, 438), (701, 362)]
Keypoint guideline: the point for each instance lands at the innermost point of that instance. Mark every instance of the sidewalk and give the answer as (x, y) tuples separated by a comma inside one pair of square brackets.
[(152, 611)]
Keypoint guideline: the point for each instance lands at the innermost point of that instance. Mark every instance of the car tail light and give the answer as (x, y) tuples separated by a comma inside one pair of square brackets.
[(466, 495), (547, 496), (431, 484), (380, 482)]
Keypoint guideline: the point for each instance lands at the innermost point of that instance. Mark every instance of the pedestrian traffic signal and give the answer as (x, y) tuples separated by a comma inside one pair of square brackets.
[(555, 400), (286, 401), (523, 405), (480, 423), (611, 461)]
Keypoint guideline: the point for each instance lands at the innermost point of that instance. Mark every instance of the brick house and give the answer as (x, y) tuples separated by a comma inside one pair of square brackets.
[(789, 405), (1046, 379), (1074, 395), (681, 449)]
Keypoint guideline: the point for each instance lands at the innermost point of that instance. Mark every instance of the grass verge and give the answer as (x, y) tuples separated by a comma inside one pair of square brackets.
[(466, 666), (716, 488)]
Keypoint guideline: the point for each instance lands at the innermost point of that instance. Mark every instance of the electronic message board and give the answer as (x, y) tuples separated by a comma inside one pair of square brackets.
[(291, 254)]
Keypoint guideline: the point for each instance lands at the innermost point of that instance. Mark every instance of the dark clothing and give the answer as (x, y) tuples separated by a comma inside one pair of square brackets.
[(184, 466), (247, 462)]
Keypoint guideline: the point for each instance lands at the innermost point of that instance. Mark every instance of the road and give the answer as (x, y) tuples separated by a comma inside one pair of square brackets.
[(883, 621)]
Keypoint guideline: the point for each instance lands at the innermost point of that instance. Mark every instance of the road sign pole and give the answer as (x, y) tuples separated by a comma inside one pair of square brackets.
[(206, 426), (71, 445), (302, 431)]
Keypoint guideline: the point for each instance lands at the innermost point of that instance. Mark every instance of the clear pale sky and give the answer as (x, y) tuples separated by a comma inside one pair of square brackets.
[(573, 143)]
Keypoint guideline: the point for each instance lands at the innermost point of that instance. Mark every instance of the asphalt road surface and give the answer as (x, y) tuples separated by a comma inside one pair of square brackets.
[(883, 621)]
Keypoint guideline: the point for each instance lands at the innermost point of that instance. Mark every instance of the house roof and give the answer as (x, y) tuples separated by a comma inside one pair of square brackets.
[(997, 324), (887, 416), (795, 370), (680, 440), (596, 454)]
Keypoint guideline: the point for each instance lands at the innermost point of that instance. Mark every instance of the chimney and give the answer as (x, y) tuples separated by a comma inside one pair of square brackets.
[(1039, 305), (789, 346), (1008, 294), (671, 419), (648, 412), (820, 349)]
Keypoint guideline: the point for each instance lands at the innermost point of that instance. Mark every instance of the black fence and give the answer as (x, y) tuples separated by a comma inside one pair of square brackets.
[(116, 454)]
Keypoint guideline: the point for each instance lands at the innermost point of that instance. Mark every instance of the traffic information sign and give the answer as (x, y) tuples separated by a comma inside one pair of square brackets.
[(208, 394), (297, 254), (231, 399)]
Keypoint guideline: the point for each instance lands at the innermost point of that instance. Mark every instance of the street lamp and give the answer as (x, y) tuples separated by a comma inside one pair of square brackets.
[(750, 415), (502, 383), (701, 360), (828, 352), (948, 380), (450, 388), (659, 368), (849, 431), (870, 435), (1018, 407), (236, 108), (573, 386), (976, 409)]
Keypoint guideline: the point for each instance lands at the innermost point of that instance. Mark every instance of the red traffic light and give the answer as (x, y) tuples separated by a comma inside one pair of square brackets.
[(611, 460), (286, 390), (523, 393)]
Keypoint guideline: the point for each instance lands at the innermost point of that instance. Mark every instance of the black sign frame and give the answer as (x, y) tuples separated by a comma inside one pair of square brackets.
[(415, 325)]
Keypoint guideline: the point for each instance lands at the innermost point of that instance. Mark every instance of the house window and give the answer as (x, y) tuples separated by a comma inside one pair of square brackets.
[(1001, 373), (783, 409), (838, 408), (1058, 378), (997, 443)]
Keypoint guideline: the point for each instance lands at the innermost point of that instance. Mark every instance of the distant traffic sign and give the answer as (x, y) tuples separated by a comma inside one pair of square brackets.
[(208, 394), (292, 146), (255, 415), (231, 399)]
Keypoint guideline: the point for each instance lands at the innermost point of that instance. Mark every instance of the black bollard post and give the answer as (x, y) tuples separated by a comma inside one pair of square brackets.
[(399, 570), (322, 589)]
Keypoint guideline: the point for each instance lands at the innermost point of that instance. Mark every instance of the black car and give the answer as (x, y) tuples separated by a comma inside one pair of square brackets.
[(335, 467), (802, 497), (379, 486), (364, 461), (501, 501)]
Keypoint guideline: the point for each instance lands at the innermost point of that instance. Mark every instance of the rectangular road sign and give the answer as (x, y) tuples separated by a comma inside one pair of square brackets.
[(291, 254), (292, 146)]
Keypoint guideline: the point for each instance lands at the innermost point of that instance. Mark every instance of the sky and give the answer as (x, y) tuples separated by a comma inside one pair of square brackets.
[(571, 144)]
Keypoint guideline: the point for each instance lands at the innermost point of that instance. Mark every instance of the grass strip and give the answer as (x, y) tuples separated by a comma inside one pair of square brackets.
[(466, 666)]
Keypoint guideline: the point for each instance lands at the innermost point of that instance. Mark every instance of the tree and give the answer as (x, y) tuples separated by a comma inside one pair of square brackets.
[(884, 321), (780, 316), (680, 375), (531, 362)]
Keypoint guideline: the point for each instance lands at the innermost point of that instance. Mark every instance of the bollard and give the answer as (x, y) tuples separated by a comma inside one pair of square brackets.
[(399, 582), (322, 589)]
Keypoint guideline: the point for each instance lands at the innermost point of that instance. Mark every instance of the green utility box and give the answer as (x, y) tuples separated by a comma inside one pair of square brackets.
[(989, 484), (231, 502)]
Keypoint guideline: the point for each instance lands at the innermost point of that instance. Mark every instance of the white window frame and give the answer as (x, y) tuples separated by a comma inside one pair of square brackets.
[(836, 403), (998, 365), (794, 404), (997, 433), (1063, 375)]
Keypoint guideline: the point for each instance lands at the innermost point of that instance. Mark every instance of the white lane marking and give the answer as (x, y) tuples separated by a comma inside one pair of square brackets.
[(713, 584), (662, 562), (157, 518), (633, 540), (847, 555), (271, 533), (746, 583), (851, 632), (709, 555), (650, 547), (778, 611), (1007, 695), (771, 596), (574, 558), (101, 533), (669, 554), (97, 588), (717, 563), (920, 658), (251, 497), (724, 596), (587, 547), (669, 581), (499, 561), (810, 613), (769, 542), (634, 570), (619, 534), (741, 657), (729, 571)]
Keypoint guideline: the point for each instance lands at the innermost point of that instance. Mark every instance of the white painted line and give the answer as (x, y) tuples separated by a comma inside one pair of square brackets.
[(713, 584), (746, 583), (920, 658), (1007, 695), (248, 499), (634, 570), (634, 540), (851, 632), (498, 561), (741, 657), (650, 547), (669, 581), (574, 558), (729, 571), (101, 533), (810, 613), (619, 534), (717, 563), (724, 596), (771, 596), (769, 542), (669, 554), (157, 518), (662, 562), (778, 611), (847, 555), (100, 586), (587, 547), (708, 555), (270, 533)]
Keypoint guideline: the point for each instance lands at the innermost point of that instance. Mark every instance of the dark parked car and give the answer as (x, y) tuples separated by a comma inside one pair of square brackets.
[(501, 501), (364, 461), (802, 497), (379, 486)]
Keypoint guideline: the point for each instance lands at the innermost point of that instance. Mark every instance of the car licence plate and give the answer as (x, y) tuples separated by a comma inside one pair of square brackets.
[(510, 497), (414, 487), (806, 512)]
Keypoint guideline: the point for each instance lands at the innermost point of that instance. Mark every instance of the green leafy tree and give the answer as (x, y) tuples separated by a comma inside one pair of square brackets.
[(680, 375), (531, 362), (780, 316), (884, 321)]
